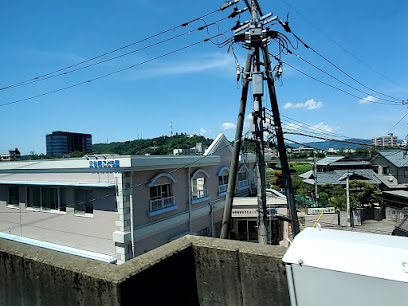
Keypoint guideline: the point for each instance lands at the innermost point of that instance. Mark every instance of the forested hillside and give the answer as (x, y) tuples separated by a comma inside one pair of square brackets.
[(162, 145)]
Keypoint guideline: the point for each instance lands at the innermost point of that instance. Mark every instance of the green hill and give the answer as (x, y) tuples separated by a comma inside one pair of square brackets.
[(162, 145)]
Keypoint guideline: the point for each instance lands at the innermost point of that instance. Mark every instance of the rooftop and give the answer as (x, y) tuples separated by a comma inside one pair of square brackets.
[(398, 158)]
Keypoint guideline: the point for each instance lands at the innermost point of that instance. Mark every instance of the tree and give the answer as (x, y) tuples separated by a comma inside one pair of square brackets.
[(364, 192)]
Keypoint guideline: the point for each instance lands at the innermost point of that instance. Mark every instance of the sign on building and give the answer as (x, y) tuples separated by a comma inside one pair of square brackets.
[(319, 210)]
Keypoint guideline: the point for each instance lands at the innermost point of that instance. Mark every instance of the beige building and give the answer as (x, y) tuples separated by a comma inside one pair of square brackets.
[(119, 206), (385, 141)]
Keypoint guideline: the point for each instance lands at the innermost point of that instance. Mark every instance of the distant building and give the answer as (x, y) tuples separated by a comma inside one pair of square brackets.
[(191, 151), (61, 143), (13, 155), (385, 141)]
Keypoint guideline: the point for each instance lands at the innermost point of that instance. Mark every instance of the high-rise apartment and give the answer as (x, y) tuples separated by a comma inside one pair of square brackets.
[(61, 143), (385, 141)]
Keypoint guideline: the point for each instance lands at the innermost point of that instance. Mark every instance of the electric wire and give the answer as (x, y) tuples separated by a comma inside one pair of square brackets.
[(340, 46), (125, 54), (338, 140), (110, 73), (315, 129), (337, 88), (337, 79), (110, 52)]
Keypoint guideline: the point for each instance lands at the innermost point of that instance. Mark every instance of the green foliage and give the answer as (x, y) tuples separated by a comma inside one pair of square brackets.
[(365, 193), (34, 156), (360, 193), (76, 154), (301, 188), (300, 167), (162, 145)]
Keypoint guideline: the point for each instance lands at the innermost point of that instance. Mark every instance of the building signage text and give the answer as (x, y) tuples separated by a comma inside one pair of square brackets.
[(104, 164), (319, 210)]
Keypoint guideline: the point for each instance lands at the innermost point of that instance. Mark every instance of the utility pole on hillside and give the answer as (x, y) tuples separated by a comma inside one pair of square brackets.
[(255, 38)]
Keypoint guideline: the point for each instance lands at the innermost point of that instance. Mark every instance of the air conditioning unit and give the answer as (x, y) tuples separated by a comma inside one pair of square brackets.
[(333, 267)]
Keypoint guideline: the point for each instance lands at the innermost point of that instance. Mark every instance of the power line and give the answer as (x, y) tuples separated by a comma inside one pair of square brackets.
[(399, 121), (302, 144), (337, 79), (122, 55), (110, 52), (340, 46), (111, 73), (337, 88), (337, 140)]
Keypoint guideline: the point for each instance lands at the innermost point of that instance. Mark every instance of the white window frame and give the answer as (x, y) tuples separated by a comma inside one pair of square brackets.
[(200, 192), (168, 203), (243, 184), (222, 188)]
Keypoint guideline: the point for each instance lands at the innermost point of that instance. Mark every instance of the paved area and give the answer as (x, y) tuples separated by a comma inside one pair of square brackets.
[(384, 227)]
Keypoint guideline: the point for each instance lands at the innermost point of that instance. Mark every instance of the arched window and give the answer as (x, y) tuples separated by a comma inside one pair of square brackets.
[(243, 178), (161, 194), (199, 191), (223, 174)]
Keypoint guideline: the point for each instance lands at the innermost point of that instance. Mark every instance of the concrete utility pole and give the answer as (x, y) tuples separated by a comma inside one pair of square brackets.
[(256, 39), (315, 178), (348, 199), (232, 178)]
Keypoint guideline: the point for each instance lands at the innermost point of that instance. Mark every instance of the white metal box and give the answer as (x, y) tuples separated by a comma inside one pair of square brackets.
[(337, 268)]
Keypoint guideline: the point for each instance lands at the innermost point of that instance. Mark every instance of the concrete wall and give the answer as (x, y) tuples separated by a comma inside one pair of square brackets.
[(188, 271)]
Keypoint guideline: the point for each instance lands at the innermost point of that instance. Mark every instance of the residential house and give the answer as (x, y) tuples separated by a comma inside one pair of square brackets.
[(12, 155), (392, 170), (120, 206)]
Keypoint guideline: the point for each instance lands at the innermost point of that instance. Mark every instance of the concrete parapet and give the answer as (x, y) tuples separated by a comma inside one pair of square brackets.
[(188, 271)]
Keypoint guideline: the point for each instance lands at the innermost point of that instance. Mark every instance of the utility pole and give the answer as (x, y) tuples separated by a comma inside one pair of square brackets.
[(232, 178), (315, 179), (256, 39), (348, 199), (257, 89)]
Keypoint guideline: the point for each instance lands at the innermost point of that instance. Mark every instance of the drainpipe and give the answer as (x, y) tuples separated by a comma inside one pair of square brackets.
[(190, 225), (211, 218), (131, 214)]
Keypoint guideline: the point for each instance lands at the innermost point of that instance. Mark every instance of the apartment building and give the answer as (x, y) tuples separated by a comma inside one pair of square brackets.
[(120, 206), (385, 141)]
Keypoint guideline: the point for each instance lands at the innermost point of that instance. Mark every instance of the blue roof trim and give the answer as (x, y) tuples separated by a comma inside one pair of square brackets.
[(222, 169), (60, 248), (169, 176)]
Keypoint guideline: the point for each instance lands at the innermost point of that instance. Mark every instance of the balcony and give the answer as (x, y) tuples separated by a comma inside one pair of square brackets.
[(162, 205), (199, 196), (222, 188), (243, 184)]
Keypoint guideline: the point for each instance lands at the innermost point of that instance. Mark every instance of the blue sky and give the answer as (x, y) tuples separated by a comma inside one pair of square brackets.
[(195, 88)]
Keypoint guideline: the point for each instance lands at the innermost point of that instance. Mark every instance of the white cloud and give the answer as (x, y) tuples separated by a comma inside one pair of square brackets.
[(309, 105), (228, 126), (322, 127), (368, 99), (202, 131), (188, 66)]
